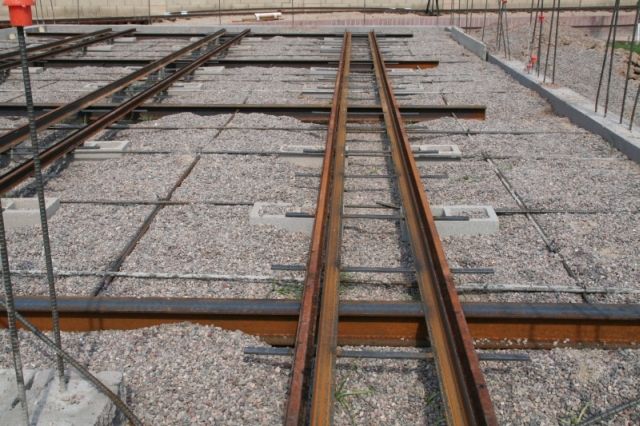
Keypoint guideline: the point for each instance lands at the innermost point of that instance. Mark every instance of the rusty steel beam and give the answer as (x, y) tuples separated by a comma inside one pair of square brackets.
[(321, 412), (492, 325), (60, 112), (318, 113), (326, 227), (21, 172), (464, 391), (56, 43), (235, 63), (56, 51)]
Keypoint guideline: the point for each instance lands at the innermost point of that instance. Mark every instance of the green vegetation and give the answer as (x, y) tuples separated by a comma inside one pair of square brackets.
[(625, 45), (343, 395)]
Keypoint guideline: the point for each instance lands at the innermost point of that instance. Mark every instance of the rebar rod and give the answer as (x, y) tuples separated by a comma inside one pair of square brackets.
[(41, 201), (546, 56), (484, 20), (631, 46), (79, 367), (613, 45), (555, 45), (541, 17), (11, 320), (604, 61)]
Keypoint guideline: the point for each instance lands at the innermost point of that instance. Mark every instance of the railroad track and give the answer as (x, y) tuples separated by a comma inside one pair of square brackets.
[(320, 323)]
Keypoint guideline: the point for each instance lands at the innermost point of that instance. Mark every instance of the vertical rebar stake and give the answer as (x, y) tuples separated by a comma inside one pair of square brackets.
[(41, 202), (11, 319)]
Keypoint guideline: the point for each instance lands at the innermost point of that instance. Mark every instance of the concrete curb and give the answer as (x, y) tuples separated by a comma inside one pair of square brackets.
[(471, 44), (577, 108), (564, 101)]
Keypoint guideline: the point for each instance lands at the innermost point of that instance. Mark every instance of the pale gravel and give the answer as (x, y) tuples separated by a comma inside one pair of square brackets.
[(558, 384), (180, 373), (206, 239), (612, 262), (518, 255), (83, 237), (141, 177), (575, 184)]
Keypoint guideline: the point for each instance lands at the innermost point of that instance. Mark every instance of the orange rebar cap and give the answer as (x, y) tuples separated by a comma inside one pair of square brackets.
[(20, 12)]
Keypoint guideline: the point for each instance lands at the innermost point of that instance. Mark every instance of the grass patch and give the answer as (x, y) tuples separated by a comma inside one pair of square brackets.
[(626, 45)]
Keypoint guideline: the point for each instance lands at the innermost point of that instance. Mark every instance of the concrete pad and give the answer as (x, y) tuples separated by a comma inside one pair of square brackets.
[(295, 154), (23, 212), (100, 48), (9, 387), (482, 220), (274, 214), (474, 46), (79, 404), (125, 40), (209, 70), (184, 88), (102, 150), (429, 152), (194, 39)]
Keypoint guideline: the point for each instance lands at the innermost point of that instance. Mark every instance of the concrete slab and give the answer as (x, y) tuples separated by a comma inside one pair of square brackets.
[(9, 387), (482, 220), (100, 48), (471, 44), (102, 150), (184, 88), (429, 152), (125, 40), (274, 214), (23, 212), (209, 70), (79, 404), (296, 155)]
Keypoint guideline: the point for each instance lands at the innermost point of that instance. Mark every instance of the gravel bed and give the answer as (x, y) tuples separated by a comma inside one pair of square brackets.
[(557, 385), (271, 141), (386, 392), (169, 381), (579, 61), (612, 262), (575, 184), (65, 286), (83, 237), (146, 177), (518, 256), (248, 178), (205, 239), (468, 182)]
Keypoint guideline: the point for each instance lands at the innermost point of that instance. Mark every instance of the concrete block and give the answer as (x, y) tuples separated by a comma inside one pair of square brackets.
[(296, 155), (36, 70), (482, 220), (209, 70), (93, 86), (577, 108), (474, 46), (100, 48), (184, 88), (431, 152), (125, 40), (102, 150), (9, 388), (274, 214), (22, 212), (79, 404), (194, 39)]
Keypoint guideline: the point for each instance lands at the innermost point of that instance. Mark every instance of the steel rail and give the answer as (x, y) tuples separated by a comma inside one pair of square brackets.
[(103, 37), (237, 63), (55, 43), (326, 222), (462, 383), (68, 144), (321, 411), (305, 112), (15, 136), (151, 34), (492, 325)]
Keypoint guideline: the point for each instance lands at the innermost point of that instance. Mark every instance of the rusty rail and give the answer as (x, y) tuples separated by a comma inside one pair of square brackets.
[(56, 43), (464, 391), (21, 172), (492, 325), (326, 223)]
